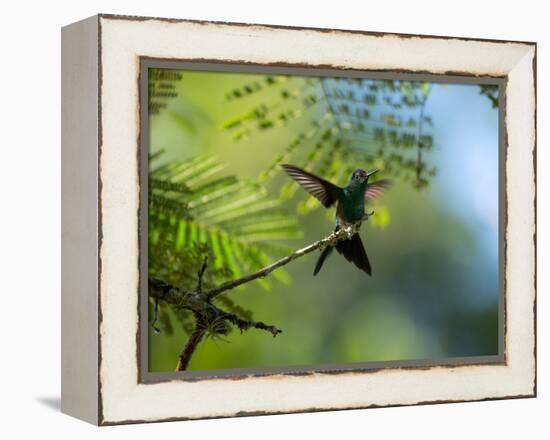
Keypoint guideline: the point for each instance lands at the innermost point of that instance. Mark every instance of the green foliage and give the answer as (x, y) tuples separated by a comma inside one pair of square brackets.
[(491, 92), (255, 87), (351, 123), (162, 88), (194, 210), (380, 218)]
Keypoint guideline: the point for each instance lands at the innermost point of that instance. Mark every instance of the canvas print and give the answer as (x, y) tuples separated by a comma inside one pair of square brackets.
[(304, 220)]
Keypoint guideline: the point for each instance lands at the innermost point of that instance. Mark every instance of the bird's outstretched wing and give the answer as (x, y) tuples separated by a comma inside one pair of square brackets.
[(376, 189), (322, 190)]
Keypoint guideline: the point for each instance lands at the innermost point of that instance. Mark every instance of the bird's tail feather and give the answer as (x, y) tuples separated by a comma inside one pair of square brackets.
[(326, 252), (354, 252)]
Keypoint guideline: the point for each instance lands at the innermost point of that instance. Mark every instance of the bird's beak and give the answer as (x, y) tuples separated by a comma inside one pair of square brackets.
[(372, 172)]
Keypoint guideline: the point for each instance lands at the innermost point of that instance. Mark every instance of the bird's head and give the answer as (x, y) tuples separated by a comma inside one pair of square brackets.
[(360, 176)]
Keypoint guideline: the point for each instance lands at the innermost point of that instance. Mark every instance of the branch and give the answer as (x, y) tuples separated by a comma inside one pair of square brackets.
[(245, 324), (189, 348), (343, 234), (209, 317), (170, 294)]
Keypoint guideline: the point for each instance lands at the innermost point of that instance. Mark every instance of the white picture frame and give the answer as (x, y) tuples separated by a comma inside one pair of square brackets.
[(101, 59)]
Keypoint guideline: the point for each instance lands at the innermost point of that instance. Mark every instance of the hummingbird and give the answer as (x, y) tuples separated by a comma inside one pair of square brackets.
[(350, 208)]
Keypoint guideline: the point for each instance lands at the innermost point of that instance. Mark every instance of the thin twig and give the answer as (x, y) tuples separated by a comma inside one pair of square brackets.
[(201, 273), (155, 317), (245, 324), (331, 240)]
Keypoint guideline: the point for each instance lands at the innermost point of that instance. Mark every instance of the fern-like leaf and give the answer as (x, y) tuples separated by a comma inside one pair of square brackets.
[(191, 204)]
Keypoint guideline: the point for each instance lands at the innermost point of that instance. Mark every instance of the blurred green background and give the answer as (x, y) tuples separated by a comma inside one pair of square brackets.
[(434, 250)]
